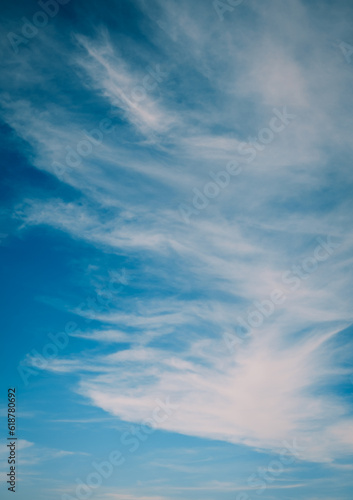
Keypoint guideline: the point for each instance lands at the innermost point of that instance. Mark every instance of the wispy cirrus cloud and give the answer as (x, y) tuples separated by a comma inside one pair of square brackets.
[(165, 334)]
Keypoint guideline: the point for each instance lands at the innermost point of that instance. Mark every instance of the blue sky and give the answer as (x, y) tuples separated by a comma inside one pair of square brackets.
[(176, 242)]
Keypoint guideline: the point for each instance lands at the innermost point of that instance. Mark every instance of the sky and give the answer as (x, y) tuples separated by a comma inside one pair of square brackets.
[(176, 249)]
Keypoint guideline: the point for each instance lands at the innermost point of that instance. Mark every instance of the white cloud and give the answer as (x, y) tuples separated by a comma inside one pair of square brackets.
[(221, 90)]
